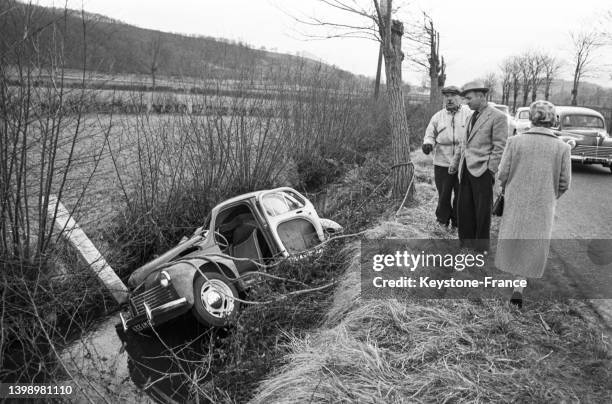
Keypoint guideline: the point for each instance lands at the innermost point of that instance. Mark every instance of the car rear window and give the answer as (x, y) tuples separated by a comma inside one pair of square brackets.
[(523, 115), (582, 121), (278, 203)]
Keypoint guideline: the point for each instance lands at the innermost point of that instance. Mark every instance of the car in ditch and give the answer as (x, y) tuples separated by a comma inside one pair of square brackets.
[(584, 129), (207, 272)]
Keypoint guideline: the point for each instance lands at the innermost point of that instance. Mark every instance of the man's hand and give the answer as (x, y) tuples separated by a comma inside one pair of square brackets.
[(452, 170), (427, 148)]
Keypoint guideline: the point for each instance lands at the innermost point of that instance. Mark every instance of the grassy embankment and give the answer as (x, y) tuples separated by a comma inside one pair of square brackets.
[(442, 350)]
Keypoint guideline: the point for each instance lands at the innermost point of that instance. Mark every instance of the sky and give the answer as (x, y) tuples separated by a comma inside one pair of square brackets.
[(475, 35)]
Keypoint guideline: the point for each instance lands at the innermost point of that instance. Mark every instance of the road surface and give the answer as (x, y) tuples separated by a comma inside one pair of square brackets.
[(585, 212)]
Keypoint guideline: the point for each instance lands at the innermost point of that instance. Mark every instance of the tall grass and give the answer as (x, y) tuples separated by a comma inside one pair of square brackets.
[(417, 350), (304, 134), (41, 155)]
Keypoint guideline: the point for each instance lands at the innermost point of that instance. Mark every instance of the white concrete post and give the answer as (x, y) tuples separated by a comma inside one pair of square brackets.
[(71, 231)]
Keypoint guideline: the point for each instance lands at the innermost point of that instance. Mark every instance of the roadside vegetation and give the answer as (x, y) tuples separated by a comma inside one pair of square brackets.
[(419, 350), (140, 169)]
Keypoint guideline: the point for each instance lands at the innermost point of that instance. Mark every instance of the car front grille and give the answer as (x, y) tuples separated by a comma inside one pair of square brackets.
[(592, 151), (153, 297)]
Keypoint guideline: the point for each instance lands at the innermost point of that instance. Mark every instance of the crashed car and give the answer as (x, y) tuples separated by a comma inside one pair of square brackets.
[(585, 131), (205, 273)]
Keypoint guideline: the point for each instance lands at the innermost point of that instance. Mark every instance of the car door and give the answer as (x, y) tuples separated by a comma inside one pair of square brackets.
[(293, 220)]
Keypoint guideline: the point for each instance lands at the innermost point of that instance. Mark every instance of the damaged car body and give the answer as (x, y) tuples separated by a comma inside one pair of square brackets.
[(207, 272)]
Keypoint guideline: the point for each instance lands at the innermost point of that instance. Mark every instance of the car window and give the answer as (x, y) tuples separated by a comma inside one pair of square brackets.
[(523, 115), (278, 203), (582, 121)]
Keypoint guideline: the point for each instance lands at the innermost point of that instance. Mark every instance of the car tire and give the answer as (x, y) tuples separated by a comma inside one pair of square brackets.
[(214, 301)]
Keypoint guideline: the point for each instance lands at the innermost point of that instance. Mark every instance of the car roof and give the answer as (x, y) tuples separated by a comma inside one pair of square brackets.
[(521, 109), (241, 197), (249, 195), (564, 110)]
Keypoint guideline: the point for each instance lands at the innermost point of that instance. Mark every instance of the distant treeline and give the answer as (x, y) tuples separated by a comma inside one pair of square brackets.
[(98, 43)]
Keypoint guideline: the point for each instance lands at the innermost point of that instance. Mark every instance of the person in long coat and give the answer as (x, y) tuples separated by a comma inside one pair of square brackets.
[(535, 170)]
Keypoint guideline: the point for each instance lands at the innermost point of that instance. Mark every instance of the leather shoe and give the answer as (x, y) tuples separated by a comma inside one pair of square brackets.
[(517, 299)]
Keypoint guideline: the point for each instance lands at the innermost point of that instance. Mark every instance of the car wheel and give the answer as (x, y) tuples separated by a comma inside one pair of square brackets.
[(214, 299)]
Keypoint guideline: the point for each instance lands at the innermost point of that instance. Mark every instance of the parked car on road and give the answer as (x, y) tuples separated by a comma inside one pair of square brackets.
[(521, 120), (585, 131), (506, 110), (205, 272)]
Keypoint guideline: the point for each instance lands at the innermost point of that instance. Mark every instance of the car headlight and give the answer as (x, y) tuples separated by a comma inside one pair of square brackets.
[(572, 143), (164, 279)]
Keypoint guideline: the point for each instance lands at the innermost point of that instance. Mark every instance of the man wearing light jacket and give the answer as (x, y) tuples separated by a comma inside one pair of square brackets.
[(445, 130)]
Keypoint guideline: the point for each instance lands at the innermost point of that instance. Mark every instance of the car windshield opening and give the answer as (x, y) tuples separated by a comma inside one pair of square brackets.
[(582, 121)]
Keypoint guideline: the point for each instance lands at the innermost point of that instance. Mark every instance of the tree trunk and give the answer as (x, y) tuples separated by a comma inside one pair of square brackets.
[(576, 83), (525, 95), (575, 96), (403, 170), (378, 71), (434, 92), (575, 93)]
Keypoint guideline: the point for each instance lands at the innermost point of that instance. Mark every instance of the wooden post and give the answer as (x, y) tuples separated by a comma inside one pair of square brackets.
[(70, 230)]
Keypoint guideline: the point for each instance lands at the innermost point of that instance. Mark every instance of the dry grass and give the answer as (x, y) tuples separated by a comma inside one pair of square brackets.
[(441, 350)]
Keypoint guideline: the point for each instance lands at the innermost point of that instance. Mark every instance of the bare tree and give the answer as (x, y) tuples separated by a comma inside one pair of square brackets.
[(524, 66), (550, 66), (376, 22), (437, 67), (535, 69), (391, 32), (490, 81), (585, 43), (154, 47), (506, 80), (516, 80)]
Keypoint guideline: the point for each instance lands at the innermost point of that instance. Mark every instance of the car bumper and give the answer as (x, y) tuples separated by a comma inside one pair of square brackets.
[(592, 154), (152, 307), (592, 160)]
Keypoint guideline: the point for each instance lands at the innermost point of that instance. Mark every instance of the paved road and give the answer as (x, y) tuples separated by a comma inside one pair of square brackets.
[(584, 212)]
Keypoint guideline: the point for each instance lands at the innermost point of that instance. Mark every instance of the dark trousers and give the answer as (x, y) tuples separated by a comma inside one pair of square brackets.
[(474, 209), (448, 187)]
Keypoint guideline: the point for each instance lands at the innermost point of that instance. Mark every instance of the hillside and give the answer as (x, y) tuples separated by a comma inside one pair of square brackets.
[(113, 47)]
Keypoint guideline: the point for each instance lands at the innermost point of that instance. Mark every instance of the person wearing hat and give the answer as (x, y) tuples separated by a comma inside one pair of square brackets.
[(534, 172), (476, 161), (442, 136)]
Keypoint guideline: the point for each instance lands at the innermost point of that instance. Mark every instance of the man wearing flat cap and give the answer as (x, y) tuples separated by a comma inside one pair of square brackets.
[(476, 161), (442, 136)]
